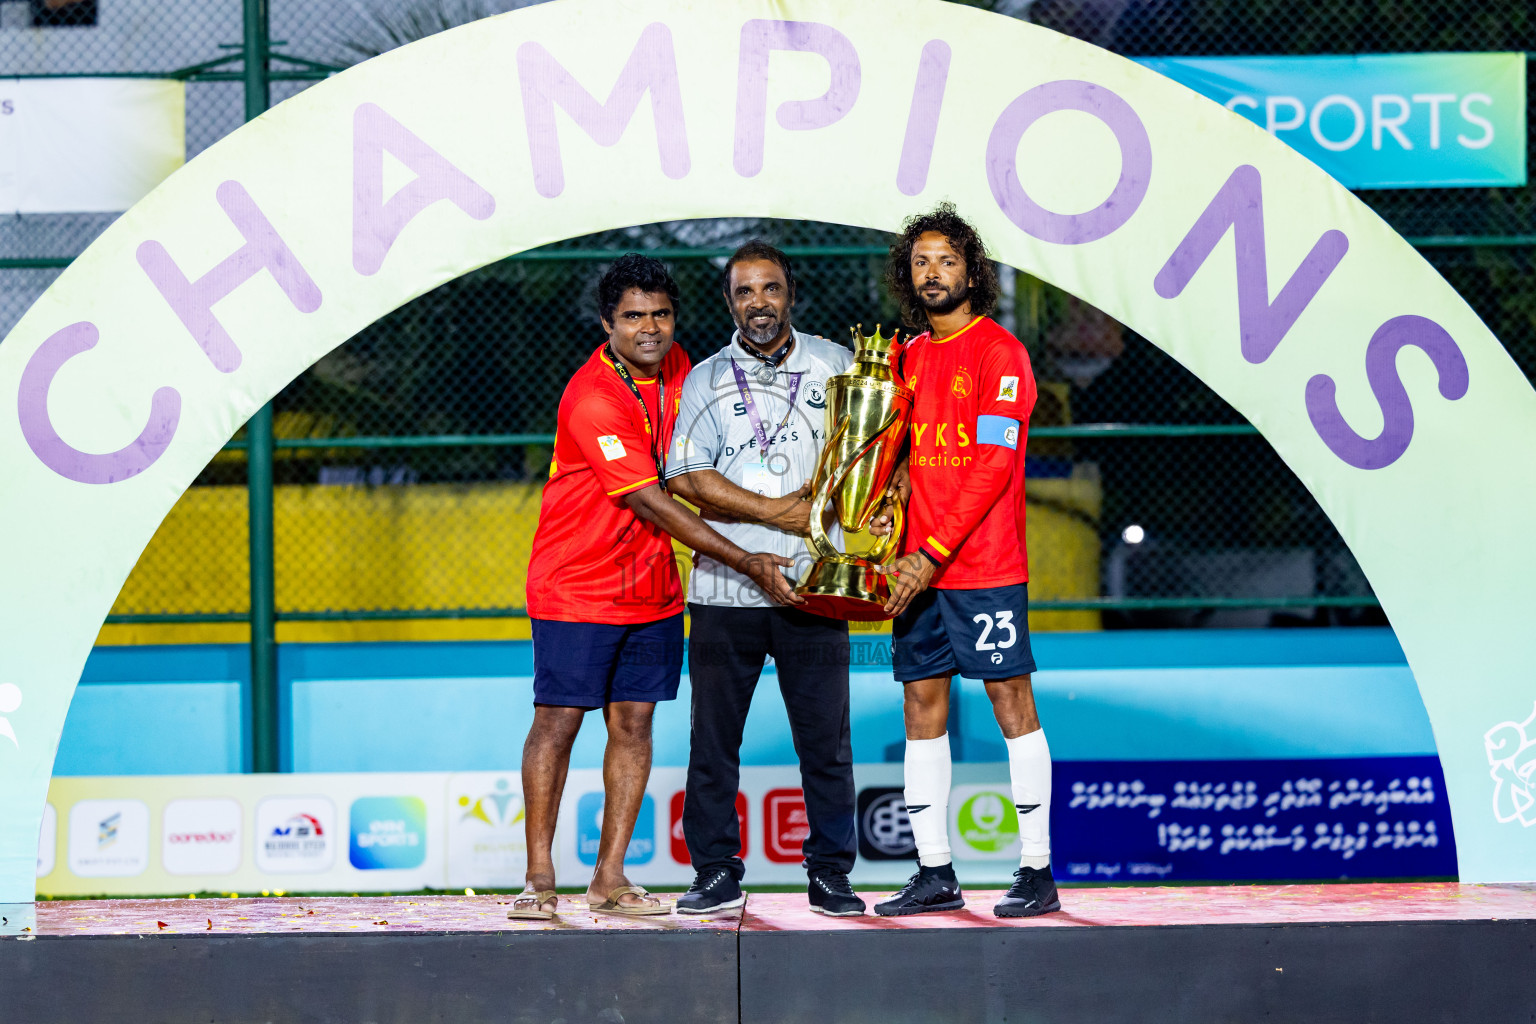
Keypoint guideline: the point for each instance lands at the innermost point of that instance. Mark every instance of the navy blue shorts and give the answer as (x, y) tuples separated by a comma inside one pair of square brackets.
[(980, 634), (589, 664)]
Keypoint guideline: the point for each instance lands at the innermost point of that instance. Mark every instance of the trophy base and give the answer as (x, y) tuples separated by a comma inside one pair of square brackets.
[(846, 588)]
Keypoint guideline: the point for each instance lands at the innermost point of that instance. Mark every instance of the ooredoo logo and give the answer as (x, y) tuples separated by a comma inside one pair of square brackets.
[(201, 837), (388, 832), (785, 825), (680, 842), (295, 834)]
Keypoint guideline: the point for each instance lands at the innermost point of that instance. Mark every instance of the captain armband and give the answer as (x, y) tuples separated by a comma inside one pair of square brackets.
[(998, 430)]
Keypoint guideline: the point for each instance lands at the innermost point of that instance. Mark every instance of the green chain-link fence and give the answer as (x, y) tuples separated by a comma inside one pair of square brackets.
[(408, 462)]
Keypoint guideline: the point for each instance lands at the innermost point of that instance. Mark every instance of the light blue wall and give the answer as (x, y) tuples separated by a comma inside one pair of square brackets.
[(451, 706)]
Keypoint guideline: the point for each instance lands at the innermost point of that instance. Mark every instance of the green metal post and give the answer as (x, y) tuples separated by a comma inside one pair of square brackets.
[(264, 744)]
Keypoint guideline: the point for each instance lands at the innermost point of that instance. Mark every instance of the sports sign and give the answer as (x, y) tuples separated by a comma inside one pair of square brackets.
[(1413, 120)]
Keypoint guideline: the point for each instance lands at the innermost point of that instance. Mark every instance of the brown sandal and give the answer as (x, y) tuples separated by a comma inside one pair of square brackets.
[(611, 905), (533, 901)]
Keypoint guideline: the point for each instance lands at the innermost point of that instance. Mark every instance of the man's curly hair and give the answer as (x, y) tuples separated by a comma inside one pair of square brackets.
[(633, 270), (964, 239)]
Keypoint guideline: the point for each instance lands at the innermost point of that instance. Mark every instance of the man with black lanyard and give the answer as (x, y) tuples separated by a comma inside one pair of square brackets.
[(748, 435), (603, 594)]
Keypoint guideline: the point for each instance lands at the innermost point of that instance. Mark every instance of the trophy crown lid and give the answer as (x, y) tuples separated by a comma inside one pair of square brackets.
[(875, 344), (872, 352)]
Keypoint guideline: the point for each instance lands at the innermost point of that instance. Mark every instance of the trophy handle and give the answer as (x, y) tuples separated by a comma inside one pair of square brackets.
[(882, 552), (819, 539)]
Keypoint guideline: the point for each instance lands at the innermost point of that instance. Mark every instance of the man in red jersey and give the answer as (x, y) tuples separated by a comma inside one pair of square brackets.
[(959, 590), (603, 591)]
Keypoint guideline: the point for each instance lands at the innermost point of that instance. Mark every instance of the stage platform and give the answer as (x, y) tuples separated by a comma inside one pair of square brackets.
[(1319, 953)]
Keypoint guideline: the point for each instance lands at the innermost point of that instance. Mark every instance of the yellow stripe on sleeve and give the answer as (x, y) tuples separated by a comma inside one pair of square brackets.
[(632, 487)]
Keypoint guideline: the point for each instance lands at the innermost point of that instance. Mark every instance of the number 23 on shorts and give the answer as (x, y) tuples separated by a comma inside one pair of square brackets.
[(1003, 620)]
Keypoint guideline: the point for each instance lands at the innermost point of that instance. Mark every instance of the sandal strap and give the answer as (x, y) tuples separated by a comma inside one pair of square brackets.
[(627, 890), (538, 898)]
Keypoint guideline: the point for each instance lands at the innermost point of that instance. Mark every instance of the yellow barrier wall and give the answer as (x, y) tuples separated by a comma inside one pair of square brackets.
[(442, 546)]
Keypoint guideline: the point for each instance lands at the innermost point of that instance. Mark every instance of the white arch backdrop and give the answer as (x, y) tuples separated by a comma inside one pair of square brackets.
[(1274, 284)]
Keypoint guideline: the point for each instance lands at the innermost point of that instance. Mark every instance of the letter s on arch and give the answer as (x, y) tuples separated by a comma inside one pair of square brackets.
[(1381, 372), (53, 451)]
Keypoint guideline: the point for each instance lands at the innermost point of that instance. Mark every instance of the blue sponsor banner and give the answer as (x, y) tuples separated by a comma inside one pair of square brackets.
[(388, 832), (589, 831), (1148, 821), (1382, 121)]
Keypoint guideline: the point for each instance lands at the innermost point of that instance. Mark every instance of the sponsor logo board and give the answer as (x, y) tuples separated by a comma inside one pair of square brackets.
[(201, 836), (388, 833), (983, 823), (589, 830), (785, 826), (487, 839), (295, 835), (109, 838), (679, 842), (885, 833)]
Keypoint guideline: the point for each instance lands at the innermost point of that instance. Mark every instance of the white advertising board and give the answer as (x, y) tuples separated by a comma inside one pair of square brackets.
[(391, 832), (87, 145)]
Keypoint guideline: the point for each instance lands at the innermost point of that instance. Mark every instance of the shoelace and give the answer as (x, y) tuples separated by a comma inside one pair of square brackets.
[(841, 888), (719, 875), (1025, 883)]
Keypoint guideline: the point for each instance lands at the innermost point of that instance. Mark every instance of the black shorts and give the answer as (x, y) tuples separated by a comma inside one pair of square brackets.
[(590, 664), (981, 634)]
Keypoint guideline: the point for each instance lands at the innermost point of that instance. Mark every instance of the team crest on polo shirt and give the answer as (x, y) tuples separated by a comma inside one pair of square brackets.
[(815, 395), (1008, 389), (612, 447), (962, 385)]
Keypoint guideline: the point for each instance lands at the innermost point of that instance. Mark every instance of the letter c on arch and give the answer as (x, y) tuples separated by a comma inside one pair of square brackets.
[(56, 453)]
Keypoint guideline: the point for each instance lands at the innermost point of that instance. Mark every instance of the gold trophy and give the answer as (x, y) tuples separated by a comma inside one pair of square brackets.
[(868, 412)]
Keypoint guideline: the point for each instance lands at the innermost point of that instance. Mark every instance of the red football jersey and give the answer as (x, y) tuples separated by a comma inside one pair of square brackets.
[(967, 458), (594, 559)]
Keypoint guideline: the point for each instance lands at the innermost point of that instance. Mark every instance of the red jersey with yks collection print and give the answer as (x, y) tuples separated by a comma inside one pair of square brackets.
[(970, 424), (594, 559)]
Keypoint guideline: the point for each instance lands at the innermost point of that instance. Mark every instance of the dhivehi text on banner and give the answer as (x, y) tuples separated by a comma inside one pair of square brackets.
[(1417, 120), (87, 145)]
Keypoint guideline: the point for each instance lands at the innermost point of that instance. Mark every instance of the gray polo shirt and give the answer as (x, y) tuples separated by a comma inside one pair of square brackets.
[(714, 431)]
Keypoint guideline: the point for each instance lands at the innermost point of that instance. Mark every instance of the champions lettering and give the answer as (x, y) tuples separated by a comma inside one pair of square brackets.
[(649, 73)]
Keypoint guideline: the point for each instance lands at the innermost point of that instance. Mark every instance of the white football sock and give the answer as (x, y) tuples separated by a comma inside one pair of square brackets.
[(1029, 766), (928, 773)]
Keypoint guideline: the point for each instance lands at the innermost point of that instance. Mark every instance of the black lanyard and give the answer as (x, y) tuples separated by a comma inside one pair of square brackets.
[(634, 389)]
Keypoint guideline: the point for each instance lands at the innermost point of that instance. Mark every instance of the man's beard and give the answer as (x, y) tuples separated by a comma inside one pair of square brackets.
[(948, 302), (761, 336)]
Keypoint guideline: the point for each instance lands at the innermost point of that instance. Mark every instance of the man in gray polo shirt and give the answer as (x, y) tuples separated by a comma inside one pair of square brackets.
[(751, 426)]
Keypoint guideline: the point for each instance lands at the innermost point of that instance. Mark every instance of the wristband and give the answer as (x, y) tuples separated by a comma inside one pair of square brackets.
[(936, 563)]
